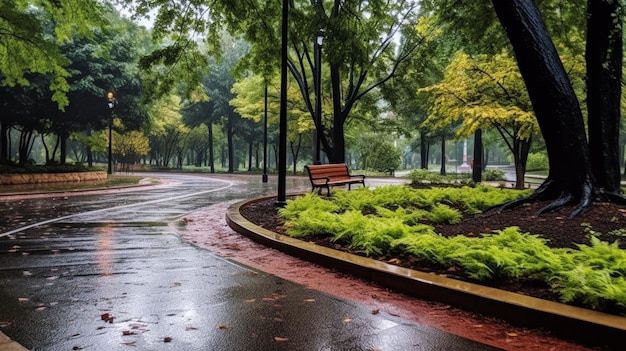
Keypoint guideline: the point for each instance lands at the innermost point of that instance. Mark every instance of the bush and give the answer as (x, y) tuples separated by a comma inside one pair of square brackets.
[(537, 162), (493, 175)]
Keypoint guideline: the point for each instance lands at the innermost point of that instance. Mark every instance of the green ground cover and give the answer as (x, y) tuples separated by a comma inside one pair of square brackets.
[(400, 220)]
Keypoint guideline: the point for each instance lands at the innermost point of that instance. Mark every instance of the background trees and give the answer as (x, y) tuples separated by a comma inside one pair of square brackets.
[(376, 57)]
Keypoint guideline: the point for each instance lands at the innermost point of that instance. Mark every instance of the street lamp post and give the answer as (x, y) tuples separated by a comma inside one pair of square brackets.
[(319, 39), (265, 139), (111, 102), (282, 125)]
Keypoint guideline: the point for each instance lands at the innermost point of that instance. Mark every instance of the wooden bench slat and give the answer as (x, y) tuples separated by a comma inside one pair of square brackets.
[(325, 176)]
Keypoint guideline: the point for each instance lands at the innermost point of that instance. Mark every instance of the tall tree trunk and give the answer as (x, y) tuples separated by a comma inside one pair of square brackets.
[(477, 163), (250, 145), (336, 153), (604, 71), (555, 104), (211, 149), (424, 147), (231, 145), (443, 155), (521, 148), (45, 147), (63, 148), (4, 143)]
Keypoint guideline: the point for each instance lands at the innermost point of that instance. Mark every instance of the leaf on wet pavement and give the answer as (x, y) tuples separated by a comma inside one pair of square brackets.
[(167, 339), (107, 317), (280, 339), (223, 326), (128, 332)]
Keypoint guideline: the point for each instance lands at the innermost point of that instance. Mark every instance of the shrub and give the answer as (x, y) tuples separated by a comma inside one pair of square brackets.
[(537, 161), (493, 175)]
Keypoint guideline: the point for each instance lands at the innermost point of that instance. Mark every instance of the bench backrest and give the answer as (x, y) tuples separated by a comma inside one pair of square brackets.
[(332, 171)]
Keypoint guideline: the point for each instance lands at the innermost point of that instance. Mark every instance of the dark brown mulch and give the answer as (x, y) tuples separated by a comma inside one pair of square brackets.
[(556, 227)]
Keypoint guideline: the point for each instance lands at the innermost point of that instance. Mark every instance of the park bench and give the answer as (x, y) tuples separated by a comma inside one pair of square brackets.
[(325, 176)]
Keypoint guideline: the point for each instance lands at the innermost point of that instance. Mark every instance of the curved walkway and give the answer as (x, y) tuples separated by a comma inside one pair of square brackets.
[(583, 325)]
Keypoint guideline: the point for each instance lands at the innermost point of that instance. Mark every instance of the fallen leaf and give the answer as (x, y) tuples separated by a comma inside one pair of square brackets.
[(347, 319), (376, 311), (167, 339), (250, 300), (223, 326), (511, 334), (309, 300), (26, 273), (76, 347), (128, 332), (107, 317), (280, 339), (394, 261), (40, 308), (4, 324), (22, 299)]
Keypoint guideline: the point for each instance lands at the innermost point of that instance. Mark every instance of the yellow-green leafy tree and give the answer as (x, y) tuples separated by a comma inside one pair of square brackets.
[(484, 91), (168, 133), (250, 103), (129, 147)]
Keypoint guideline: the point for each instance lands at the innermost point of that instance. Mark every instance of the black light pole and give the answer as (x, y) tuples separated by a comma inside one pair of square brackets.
[(282, 138), (265, 139), (111, 104), (317, 48)]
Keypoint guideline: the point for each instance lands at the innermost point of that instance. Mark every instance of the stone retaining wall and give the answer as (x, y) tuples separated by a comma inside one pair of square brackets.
[(39, 178)]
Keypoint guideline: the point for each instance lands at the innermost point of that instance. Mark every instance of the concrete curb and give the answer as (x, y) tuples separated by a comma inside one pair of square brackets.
[(574, 323), (6, 344)]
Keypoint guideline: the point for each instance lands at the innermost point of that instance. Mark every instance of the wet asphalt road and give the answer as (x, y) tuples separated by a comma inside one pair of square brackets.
[(106, 272)]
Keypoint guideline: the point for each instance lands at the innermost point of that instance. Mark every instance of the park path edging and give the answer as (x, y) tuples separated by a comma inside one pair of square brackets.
[(575, 323), (41, 178)]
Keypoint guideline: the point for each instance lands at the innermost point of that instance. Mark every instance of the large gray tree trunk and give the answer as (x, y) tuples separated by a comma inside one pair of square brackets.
[(604, 71), (555, 104)]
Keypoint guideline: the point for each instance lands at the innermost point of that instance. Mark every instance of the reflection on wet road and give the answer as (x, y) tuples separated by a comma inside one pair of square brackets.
[(104, 271)]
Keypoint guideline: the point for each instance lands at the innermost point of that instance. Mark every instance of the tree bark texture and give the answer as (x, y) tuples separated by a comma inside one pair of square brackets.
[(554, 102), (604, 69)]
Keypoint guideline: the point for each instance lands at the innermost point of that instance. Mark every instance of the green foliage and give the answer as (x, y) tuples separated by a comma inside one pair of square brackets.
[(377, 153), (442, 213), (394, 219), (493, 174), (293, 208), (537, 161)]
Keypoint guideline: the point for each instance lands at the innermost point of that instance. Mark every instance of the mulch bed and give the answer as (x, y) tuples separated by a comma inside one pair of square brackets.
[(556, 227)]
